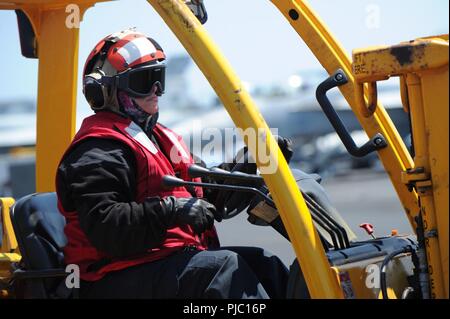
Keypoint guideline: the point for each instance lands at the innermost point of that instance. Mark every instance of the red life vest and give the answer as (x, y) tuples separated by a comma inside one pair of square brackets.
[(152, 165)]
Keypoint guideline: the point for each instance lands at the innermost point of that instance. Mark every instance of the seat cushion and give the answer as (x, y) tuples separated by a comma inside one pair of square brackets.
[(39, 228)]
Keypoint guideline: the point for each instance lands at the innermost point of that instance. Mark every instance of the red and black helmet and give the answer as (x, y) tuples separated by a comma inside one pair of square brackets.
[(126, 60)]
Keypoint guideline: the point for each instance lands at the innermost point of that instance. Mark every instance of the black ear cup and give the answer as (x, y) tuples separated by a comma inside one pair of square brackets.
[(94, 92)]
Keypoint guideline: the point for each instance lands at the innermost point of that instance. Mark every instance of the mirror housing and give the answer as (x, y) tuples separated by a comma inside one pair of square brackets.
[(198, 8)]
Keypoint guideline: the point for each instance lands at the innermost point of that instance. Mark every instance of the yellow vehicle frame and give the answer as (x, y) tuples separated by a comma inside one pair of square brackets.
[(423, 68), (56, 109)]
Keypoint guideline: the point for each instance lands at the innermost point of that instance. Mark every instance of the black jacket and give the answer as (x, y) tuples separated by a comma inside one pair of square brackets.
[(98, 180)]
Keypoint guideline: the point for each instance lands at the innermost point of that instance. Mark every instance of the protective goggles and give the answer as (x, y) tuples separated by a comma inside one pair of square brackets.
[(140, 81)]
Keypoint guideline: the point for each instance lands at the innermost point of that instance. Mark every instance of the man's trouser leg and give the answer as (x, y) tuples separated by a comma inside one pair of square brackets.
[(187, 274), (268, 268)]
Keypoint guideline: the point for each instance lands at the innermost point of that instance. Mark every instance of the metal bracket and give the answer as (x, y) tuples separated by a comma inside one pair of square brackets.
[(417, 178)]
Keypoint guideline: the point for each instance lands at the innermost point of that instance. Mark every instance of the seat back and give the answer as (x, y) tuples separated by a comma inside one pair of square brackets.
[(39, 229)]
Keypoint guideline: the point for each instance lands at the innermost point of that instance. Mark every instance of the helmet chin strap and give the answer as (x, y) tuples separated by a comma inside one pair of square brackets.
[(159, 90), (151, 122)]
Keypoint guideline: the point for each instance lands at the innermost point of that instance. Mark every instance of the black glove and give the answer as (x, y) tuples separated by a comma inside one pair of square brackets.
[(285, 145), (197, 213)]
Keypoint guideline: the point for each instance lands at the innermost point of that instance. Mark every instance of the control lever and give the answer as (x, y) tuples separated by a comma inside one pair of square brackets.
[(172, 181), (368, 228), (337, 232), (199, 171)]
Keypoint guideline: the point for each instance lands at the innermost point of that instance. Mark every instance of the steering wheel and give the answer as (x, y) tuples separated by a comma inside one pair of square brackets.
[(233, 203)]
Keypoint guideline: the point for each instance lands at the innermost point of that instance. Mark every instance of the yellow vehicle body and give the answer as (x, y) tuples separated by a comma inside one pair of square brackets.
[(423, 193), (358, 281), (423, 67)]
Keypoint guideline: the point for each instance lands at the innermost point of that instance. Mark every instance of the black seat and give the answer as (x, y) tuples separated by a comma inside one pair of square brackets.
[(39, 229)]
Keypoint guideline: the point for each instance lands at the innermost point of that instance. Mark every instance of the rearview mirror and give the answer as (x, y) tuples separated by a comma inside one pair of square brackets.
[(198, 8)]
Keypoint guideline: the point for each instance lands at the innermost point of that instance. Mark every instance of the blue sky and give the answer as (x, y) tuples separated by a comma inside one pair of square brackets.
[(252, 34)]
